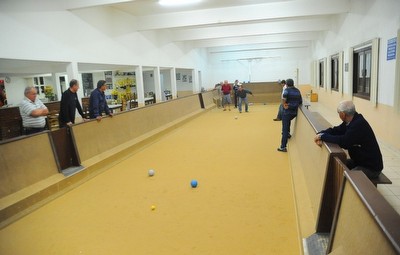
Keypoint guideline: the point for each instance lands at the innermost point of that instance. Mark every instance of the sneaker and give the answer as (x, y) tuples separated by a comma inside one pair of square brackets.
[(277, 119), (229, 109), (224, 109), (282, 149)]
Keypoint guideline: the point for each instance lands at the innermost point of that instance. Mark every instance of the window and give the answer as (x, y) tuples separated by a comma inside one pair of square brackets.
[(335, 72), (321, 69), (362, 72)]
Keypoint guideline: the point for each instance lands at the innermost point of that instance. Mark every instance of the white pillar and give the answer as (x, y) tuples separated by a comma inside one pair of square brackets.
[(173, 83), (195, 87), (139, 85), (73, 73), (157, 84)]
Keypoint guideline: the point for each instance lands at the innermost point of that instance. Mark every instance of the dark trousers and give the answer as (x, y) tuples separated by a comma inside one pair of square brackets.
[(370, 173), (286, 120), (30, 131), (236, 99)]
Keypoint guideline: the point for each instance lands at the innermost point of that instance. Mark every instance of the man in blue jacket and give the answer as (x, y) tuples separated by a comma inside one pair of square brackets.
[(98, 103), (291, 100), (355, 135)]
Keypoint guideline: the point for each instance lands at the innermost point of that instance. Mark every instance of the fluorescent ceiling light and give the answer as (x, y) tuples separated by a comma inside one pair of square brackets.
[(177, 2)]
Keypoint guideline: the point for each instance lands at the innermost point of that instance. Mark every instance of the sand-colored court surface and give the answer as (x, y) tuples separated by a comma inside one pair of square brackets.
[(243, 203)]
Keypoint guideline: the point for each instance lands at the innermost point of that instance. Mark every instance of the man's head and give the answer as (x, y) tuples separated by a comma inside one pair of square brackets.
[(283, 82), (346, 110), (74, 85), (225, 81), (30, 93), (289, 82), (101, 85), (240, 88)]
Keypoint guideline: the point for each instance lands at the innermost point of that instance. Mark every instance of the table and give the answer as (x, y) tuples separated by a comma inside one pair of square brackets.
[(147, 100), (115, 107)]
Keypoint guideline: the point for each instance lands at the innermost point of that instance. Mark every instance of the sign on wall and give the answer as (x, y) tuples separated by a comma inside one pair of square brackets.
[(391, 49)]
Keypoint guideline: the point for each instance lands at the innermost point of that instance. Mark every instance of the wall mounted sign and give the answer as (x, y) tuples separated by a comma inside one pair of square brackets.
[(391, 49)]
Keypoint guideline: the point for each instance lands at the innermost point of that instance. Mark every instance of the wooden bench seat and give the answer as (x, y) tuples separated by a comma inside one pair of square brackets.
[(381, 179)]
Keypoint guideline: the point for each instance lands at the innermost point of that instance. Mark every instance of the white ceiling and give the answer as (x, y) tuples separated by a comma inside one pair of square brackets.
[(221, 26)]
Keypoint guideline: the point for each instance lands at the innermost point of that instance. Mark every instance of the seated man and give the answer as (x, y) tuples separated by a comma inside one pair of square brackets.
[(356, 136)]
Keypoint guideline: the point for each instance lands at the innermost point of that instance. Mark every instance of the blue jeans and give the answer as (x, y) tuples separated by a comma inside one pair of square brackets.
[(280, 112), (246, 104), (286, 120)]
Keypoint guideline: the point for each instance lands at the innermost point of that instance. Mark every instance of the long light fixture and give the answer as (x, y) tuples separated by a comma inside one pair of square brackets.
[(177, 2)]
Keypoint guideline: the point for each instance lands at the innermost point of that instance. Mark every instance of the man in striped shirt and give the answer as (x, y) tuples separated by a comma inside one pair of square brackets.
[(33, 112)]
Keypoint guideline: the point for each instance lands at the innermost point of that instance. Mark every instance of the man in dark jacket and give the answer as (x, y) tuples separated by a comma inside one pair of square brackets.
[(355, 135), (241, 93), (68, 105), (291, 99), (98, 103)]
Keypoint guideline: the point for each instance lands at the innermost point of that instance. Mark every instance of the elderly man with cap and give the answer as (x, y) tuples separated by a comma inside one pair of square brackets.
[(98, 103), (357, 137)]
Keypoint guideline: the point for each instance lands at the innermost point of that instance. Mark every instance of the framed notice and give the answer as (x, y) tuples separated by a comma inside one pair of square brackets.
[(391, 49)]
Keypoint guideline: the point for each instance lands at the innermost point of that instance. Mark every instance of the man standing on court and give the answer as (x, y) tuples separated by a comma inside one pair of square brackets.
[(33, 112), (68, 105), (291, 99), (98, 103), (242, 95), (236, 86), (280, 110), (226, 98), (357, 137)]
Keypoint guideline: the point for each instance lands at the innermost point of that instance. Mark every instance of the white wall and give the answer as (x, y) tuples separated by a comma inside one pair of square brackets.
[(280, 65), (15, 90), (184, 85), (368, 19)]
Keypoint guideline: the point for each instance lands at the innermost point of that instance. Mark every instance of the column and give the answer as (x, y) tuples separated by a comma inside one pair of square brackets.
[(139, 85), (157, 84), (173, 83)]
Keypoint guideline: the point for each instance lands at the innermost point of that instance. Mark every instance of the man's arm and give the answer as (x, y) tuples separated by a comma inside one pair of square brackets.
[(42, 111)]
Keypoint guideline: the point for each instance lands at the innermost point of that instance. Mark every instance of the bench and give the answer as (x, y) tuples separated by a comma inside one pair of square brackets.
[(381, 179)]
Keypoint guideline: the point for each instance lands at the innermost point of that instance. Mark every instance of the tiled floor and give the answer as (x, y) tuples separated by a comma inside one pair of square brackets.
[(391, 160)]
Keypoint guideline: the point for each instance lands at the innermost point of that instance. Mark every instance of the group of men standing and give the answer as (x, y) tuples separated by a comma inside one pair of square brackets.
[(33, 112), (239, 95)]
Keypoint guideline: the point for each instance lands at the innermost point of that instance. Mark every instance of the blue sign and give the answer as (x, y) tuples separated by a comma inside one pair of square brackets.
[(391, 49)]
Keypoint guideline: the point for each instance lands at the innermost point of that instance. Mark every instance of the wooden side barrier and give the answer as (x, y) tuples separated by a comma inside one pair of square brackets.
[(264, 92), (26, 160), (208, 99), (96, 141), (316, 165), (364, 223)]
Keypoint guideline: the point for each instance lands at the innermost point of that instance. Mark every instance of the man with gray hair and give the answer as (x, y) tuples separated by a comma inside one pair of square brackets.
[(33, 112), (355, 135)]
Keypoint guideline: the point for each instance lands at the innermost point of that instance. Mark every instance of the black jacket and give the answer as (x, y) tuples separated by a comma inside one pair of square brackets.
[(359, 139), (69, 104)]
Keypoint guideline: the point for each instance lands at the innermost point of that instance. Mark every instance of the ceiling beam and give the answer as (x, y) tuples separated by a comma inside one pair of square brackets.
[(274, 27), (245, 13)]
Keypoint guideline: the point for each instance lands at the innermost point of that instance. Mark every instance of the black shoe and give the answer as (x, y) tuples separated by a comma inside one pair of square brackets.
[(282, 149), (277, 119), (289, 136)]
